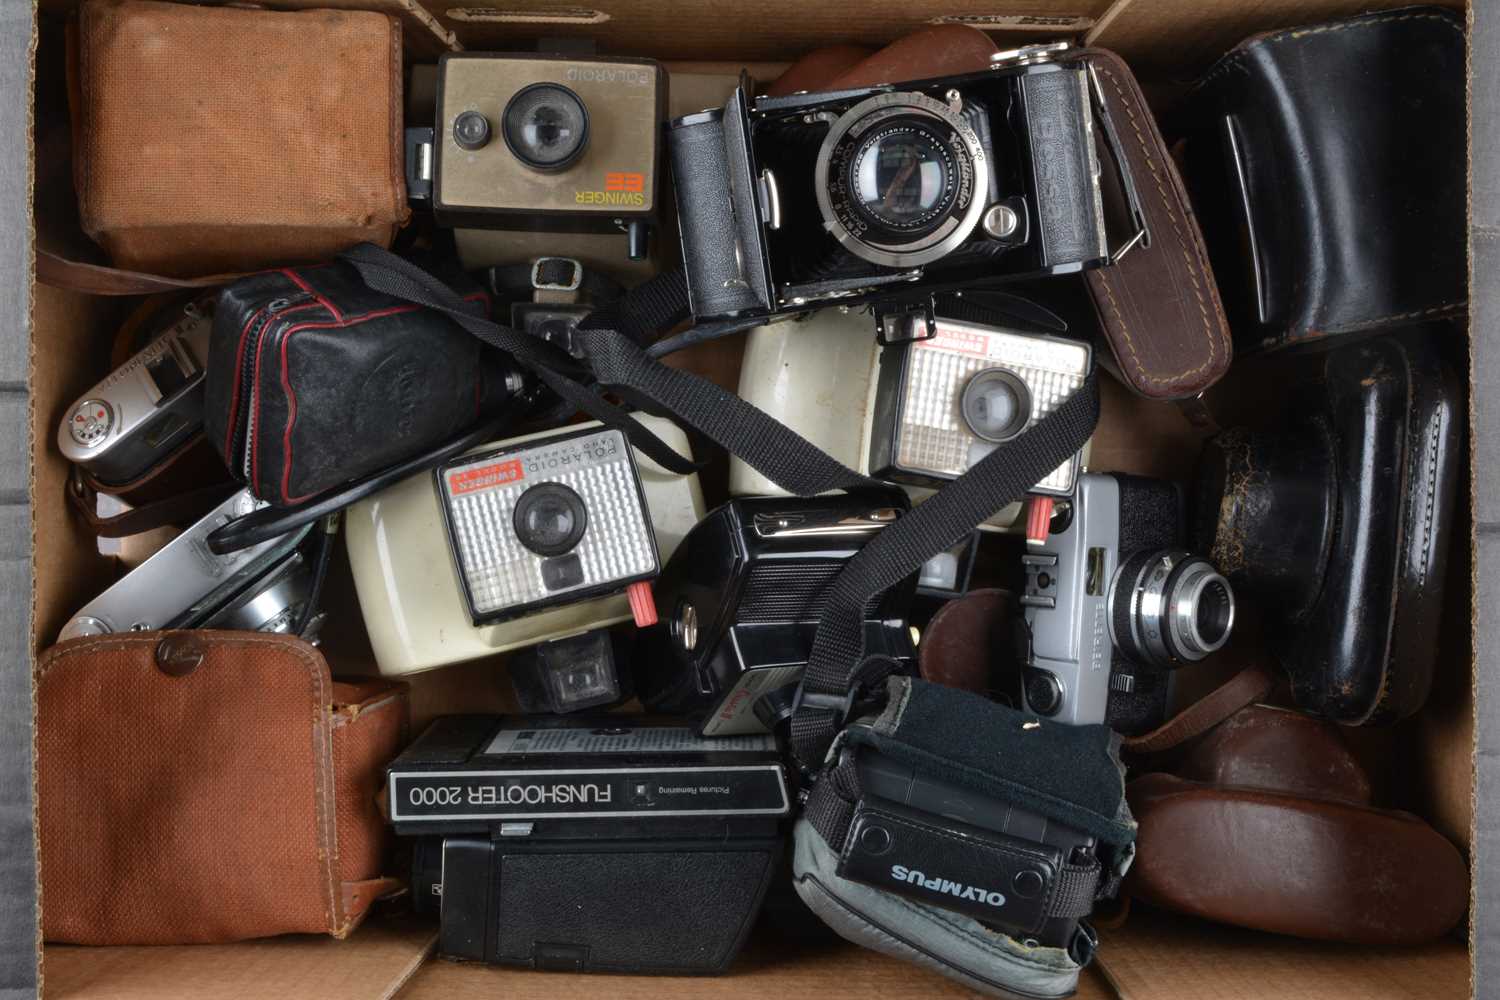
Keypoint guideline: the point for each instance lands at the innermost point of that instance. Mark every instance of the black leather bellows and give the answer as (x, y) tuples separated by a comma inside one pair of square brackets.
[(315, 380), (1320, 161), (1338, 524)]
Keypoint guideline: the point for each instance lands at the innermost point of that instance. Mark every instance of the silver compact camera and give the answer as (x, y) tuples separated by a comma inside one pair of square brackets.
[(1114, 604), (147, 407), (263, 588), (551, 521), (946, 400)]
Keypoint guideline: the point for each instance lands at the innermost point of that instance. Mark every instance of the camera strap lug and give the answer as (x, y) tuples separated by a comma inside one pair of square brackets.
[(556, 279), (419, 153)]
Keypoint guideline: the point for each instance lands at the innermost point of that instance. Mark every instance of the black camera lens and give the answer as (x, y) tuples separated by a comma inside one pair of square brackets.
[(546, 126), (996, 404), (550, 519), (902, 177)]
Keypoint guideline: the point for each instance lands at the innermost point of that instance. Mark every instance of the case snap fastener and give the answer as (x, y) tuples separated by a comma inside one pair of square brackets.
[(179, 655)]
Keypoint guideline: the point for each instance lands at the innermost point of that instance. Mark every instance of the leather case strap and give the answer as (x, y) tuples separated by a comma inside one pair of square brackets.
[(97, 279), (1247, 687), (1157, 304)]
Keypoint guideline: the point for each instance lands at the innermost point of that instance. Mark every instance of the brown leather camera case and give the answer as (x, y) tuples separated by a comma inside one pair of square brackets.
[(211, 140), (201, 787), (1268, 823)]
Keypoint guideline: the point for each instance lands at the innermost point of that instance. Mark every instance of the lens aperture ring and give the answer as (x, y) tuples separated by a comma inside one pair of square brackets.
[(1170, 608)]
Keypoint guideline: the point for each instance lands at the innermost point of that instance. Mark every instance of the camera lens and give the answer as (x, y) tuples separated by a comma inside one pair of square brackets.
[(902, 177), (546, 126), (996, 404), (1170, 608), (550, 519)]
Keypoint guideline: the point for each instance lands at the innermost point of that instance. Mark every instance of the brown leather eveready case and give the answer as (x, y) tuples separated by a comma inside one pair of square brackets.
[(200, 786), (212, 140)]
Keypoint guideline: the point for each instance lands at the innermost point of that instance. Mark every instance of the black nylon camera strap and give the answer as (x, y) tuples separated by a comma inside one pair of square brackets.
[(825, 698)]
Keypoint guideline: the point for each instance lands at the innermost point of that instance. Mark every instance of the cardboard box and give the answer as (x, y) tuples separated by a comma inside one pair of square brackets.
[(48, 567)]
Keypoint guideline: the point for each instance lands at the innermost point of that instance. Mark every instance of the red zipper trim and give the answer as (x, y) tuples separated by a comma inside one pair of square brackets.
[(239, 360), (310, 290), (291, 395)]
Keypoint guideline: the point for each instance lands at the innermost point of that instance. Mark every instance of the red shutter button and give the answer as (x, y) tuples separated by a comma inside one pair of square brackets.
[(1038, 520), (642, 603)]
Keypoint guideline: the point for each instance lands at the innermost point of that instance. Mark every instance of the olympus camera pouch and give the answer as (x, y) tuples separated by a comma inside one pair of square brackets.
[(1318, 159), (212, 140), (200, 787), (314, 380), (1338, 523), (966, 837)]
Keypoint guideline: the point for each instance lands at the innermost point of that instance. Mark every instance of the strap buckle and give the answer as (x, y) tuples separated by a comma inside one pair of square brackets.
[(543, 270)]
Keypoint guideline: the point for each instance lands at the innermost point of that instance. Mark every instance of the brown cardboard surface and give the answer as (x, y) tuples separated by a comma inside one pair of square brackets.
[(1164, 957), (1179, 38), (370, 965), (795, 973), (722, 29)]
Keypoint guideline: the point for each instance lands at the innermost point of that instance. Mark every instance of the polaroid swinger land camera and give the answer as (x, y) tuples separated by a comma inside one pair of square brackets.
[(1114, 603), (553, 143), (901, 189)]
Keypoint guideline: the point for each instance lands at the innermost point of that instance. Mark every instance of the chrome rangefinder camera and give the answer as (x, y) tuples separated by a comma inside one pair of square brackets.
[(1114, 603), (897, 189)]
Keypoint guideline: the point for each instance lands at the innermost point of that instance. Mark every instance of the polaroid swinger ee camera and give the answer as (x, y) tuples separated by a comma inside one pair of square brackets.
[(145, 409), (740, 603), (1114, 603), (524, 541), (543, 142), (898, 189), (539, 838)]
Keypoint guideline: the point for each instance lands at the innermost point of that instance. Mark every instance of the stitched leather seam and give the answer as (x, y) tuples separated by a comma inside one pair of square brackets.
[(1214, 336), (1442, 308), (1235, 59)]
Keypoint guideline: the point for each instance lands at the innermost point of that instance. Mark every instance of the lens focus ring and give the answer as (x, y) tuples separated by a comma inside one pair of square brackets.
[(1170, 608)]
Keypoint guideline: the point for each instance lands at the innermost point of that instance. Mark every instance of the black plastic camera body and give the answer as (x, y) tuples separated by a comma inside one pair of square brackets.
[(741, 599), (900, 189)]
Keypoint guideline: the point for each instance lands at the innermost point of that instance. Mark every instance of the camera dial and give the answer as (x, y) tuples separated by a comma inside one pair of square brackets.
[(545, 126), (1170, 608), (901, 179), (550, 519)]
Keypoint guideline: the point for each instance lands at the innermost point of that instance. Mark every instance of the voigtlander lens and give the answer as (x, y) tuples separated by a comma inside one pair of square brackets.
[(901, 179), (1170, 608)]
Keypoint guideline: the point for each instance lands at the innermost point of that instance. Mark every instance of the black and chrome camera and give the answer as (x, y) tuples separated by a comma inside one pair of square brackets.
[(543, 142), (540, 837), (1114, 603), (550, 521), (267, 587), (899, 189), (945, 401), (741, 599), (147, 408)]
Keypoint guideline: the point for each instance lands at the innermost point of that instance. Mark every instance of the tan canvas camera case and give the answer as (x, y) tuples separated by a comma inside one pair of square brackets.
[(216, 140), (1427, 764)]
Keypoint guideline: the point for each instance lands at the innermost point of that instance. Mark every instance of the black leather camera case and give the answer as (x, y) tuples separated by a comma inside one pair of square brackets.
[(1338, 525), (315, 380), (1321, 163)]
